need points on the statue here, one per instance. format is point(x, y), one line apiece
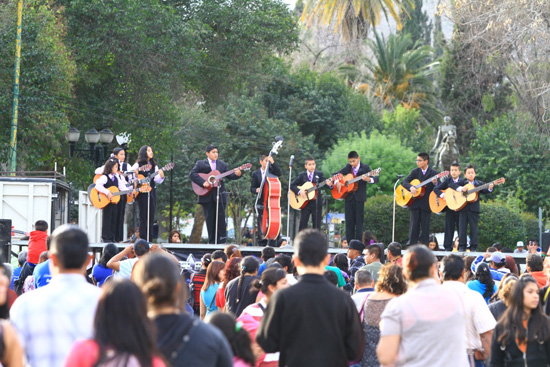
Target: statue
point(445, 150)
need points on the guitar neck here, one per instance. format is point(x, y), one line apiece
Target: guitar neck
point(479, 188)
point(424, 183)
point(225, 174)
point(358, 178)
point(122, 192)
point(321, 184)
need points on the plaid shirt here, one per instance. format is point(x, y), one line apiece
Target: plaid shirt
point(49, 319)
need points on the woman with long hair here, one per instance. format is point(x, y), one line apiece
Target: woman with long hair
point(391, 283)
point(174, 237)
point(522, 335)
point(414, 318)
point(232, 251)
point(214, 276)
point(147, 202)
point(100, 272)
point(232, 271)
point(11, 352)
point(432, 243)
point(120, 155)
point(123, 335)
point(110, 178)
point(182, 339)
point(237, 337)
point(502, 302)
point(272, 279)
point(368, 238)
point(483, 283)
point(237, 292)
point(341, 262)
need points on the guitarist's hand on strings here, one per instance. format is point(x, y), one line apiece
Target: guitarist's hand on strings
point(339, 186)
point(302, 194)
point(368, 179)
point(161, 173)
point(413, 190)
point(329, 183)
point(434, 181)
point(110, 195)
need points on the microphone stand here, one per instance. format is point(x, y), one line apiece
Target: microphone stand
point(217, 212)
point(399, 177)
point(319, 198)
point(288, 201)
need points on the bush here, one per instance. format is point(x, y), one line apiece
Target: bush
point(531, 223)
point(497, 223)
point(378, 219)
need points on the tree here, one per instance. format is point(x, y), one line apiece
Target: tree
point(399, 73)
point(46, 70)
point(515, 36)
point(510, 147)
point(409, 127)
point(353, 18)
point(416, 23)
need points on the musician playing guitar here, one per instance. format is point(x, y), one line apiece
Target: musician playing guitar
point(469, 215)
point(147, 203)
point(119, 154)
point(110, 177)
point(255, 183)
point(420, 213)
point(355, 202)
point(314, 208)
point(208, 202)
point(451, 216)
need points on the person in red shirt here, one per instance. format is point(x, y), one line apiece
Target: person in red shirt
point(37, 241)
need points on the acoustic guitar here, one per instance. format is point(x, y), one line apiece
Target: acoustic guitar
point(437, 204)
point(100, 200)
point(214, 177)
point(350, 184)
point(297, 202)
point(405, 198)
point(457, 200)
point(143, 183)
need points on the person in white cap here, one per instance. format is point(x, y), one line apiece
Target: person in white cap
point(520, 248)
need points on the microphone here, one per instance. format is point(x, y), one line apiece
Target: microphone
point(291, 160)
point(316, 178)
point(400, 176)
point(278, 138)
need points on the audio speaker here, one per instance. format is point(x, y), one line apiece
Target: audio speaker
point(5, 240)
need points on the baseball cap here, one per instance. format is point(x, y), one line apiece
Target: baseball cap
point(498, 258)
point(520, 244)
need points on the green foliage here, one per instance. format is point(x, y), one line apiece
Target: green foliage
point(45, 67)
point(407, 125)
point(497, 223)
point(531, 223)
point(470, 88)
point(399, 74)
point(416, 23)
point(511, 148)
point(322, 105)
point(385, 151)
point(237, 37)
point(378, 219)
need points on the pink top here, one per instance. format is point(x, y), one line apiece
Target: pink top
point(85, 353)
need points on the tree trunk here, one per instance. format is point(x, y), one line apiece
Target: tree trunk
point(196, 232)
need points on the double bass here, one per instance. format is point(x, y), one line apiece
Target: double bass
point(269, 199)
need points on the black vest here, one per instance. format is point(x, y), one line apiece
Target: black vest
point(111, 182)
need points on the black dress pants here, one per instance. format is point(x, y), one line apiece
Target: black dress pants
point(419, 229)
point(147, 204)
point(108, 228)
point(355, 213)
point(209, 210)
point(121, 211)
point(451, 223)
point(470, 218)
point(314, 209)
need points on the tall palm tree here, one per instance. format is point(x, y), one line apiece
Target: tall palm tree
point(399, 73)
point(353, 18)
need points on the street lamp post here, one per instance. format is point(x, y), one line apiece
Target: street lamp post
point(98, 141)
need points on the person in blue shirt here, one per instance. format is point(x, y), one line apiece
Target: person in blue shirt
point(267, 253)
point(100, 272)
point(42, 274)
point(21, 260)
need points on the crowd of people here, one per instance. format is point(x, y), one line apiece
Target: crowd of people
point(372, 306)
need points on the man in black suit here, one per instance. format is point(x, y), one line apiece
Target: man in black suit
point(470, 213)
point(312, 323)
point(208, 202)
point(355, 202)
point(255, 183)
point(451, 217)
point(420, 212)
point(313, 208)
